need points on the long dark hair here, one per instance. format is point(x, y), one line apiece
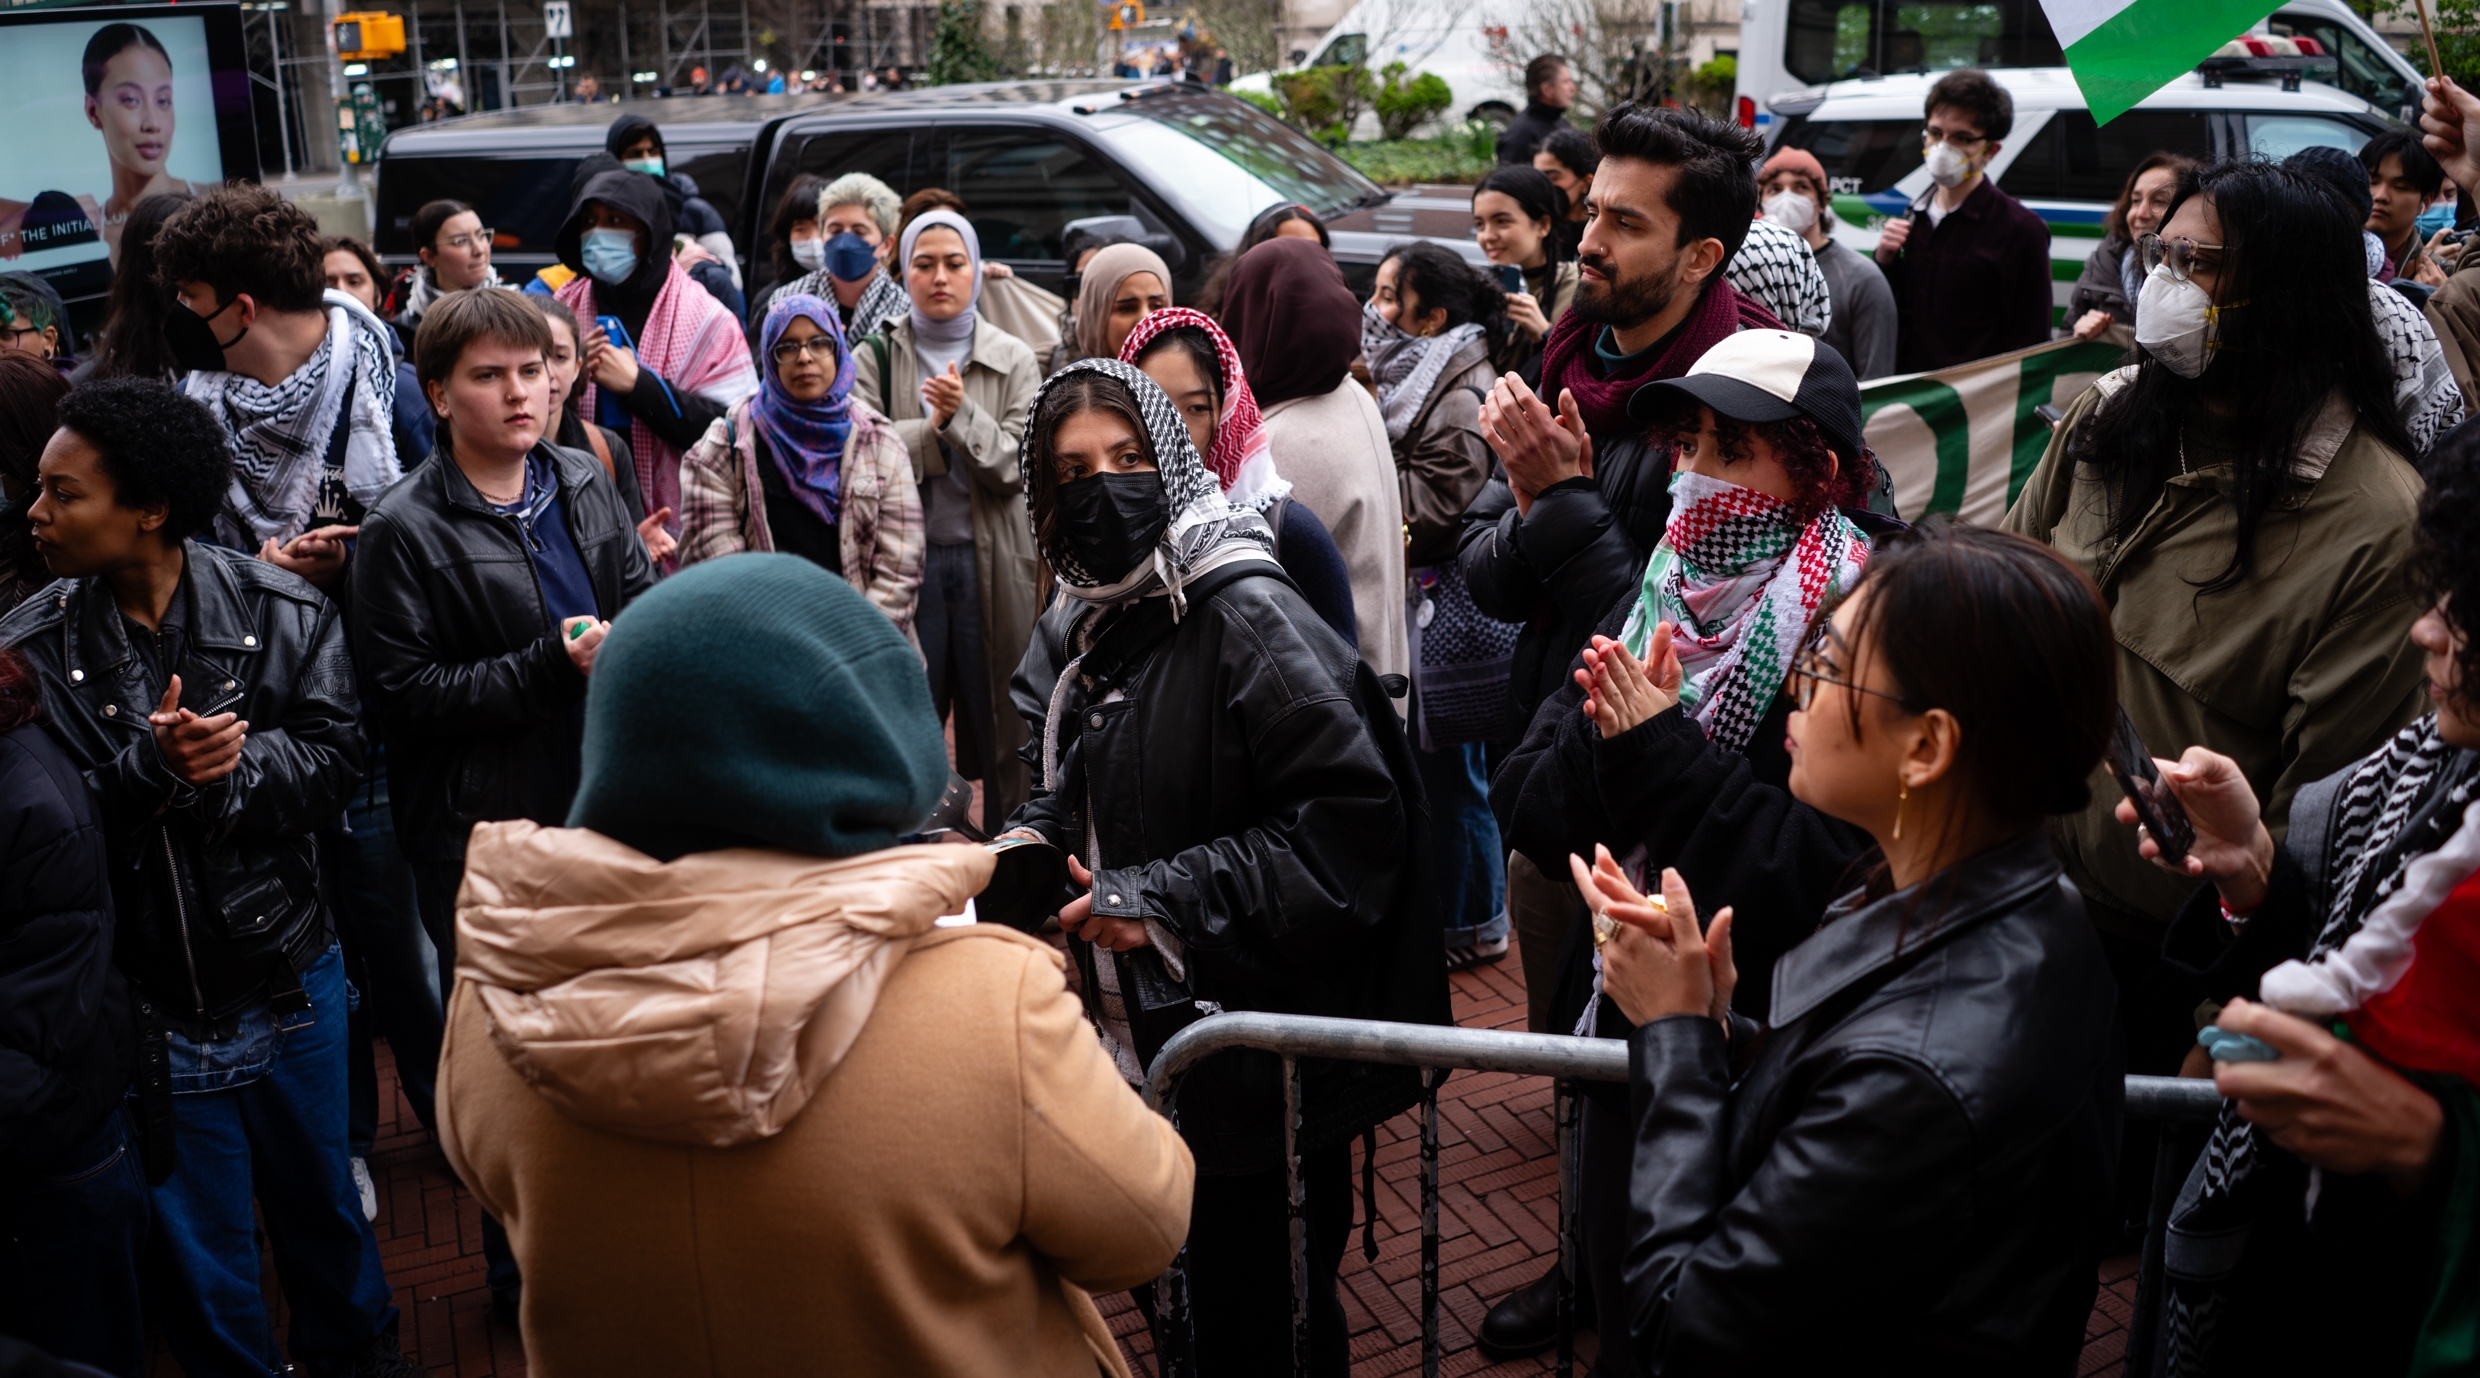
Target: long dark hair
point(1535, 195)
point(1088, 390)
point(2296, 326)
point(1438, 277)
point(800, 203)
point(133, 344)
point(30, 393)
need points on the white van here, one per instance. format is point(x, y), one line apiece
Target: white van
point(2056, 161)
point(1790, 47)
point(1461, 41)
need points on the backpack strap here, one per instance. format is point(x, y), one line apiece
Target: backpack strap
point(877, 341)
point(602, 450)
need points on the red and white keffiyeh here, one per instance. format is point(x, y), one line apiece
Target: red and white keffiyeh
point(1239, 459)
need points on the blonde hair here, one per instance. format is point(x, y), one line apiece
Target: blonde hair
point(869, 193)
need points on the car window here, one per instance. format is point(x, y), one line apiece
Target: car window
point(2094, 161)
point(1024, 186)
point(523, 200)
point(2033, 176)
point(1860, 156)
point(1267, 149)
point(1346, 50)
point(2279, 136)
point(719, 176)
point(2362, 71)
point(1828, 40)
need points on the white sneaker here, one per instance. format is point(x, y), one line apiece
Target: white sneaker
point(369, 1189)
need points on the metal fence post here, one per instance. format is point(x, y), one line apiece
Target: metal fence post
point(1295, 1204)
point(1431, 1079)
point(2144, 1327)
point(1567, 1107)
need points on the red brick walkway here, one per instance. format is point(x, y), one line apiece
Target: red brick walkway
point(1498, 1210)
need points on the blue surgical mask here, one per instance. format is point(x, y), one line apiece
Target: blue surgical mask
point(610, 255)
point(850, 257)
point(2435, 218)
point(652, 167)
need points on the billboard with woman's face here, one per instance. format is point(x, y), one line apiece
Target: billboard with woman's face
point(104, 108)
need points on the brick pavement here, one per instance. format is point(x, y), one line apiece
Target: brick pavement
point(1498, 1210)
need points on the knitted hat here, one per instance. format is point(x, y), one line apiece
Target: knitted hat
point(1798, 160)
point(2338, 169)
point(757, 701)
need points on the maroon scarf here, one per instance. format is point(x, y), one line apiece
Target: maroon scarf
point(1567, 359)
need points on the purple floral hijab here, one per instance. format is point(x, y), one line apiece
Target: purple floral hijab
point(806, 439)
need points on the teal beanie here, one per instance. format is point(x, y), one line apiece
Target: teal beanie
point(757, 701)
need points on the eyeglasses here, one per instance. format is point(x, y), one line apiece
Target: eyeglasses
point(14, 333)
point(469, 240)
point(1931, 138)
point(2179, 254)
point(816, 346)
point(1808, 670)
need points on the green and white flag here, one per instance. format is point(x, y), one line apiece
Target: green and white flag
point(1965, 439)
point(2124, 50)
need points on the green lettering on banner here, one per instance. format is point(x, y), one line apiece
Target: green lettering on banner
point(1940, 408)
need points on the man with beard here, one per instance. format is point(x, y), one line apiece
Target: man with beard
point(1561, 532)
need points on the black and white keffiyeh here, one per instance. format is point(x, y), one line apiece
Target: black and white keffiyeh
point(2426, 396)
point(1777, 267)
point(1406, 366)
point(1205, 531)
point(2399, 804)
point(280, 434)
point(882, 301)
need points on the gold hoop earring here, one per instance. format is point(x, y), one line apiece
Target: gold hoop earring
point(1902, 792)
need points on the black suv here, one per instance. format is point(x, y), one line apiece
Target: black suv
point(1192, 164)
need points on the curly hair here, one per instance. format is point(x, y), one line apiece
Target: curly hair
point(21, 694)
point(245, 238)
point(2445, 550)
point(160, 447)
point(1818, 480)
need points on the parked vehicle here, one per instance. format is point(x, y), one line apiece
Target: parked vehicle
point(2057, 162)
point(1462, 42)
point(1194, 166)
point(1790, 48)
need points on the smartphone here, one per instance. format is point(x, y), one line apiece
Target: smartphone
point(2156, 807)
point(607, 409)
point(1510, 278)
point(2050, 416)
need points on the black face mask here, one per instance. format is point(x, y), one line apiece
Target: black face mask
point(193, 342)
point(1110, 521)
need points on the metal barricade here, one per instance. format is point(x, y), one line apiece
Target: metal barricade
point(1437, 1050)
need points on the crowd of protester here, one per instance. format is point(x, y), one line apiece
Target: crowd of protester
point(570, 683)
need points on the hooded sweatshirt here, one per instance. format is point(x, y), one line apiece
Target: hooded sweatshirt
point(692, 214)
point(745, 1109)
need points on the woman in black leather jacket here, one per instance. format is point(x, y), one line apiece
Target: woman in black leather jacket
point(1238, 789)
point(1912, 1153)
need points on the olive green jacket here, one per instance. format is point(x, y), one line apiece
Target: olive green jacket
point(1000, 378)
point(2301, 668)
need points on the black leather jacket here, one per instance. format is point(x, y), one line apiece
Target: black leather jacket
point(216, 889)
point(474, 694)
point(1917, 1157)
point(1253, 794)
point(1558, 569)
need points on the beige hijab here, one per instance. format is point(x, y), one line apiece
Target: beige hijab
point(1100, 287)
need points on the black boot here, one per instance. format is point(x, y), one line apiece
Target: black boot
point(1526, 1321)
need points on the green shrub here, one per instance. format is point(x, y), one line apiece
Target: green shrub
point(1266, 101)
point(1403, 104)
point(1453, 157)
point(1317, 98)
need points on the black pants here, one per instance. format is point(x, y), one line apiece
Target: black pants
point(1606, 1143)
point(1240, 1269)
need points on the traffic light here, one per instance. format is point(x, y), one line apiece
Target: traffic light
point(362, 36)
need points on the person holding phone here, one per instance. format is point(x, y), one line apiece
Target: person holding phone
point(1515, 212)
point(208, 699)
point(481, 590)
point(2365, 909)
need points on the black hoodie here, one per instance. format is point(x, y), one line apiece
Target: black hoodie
point(675, 414)
point(692, 214)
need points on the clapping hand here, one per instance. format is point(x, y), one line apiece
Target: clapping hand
point(1621, 691)
point(1656, 961)
point(1538, 447)
point(945, 393)
point(2232, 847)
point(199, 750)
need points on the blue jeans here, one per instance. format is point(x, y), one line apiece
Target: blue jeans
point(71, 1233)
point(1471, 861)
point(391, 957)
point(263, 1114)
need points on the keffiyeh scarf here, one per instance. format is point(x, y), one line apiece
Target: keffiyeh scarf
point(805, 439)
point(1406, 366)
point(1776, 266)
point(1739, 581)
point(1204, 533)
point(1240, 457)
point(882, 301)
point(281, 433)
point(2399, 805)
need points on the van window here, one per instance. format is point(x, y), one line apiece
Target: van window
point(1860, 156)
point(2364, 72)
point(522, 197)
point(2094, 162)
point(1828, 40)
point(2033, 176)
point(1346, 50)
point(2279, 136)
point(1024, 186)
